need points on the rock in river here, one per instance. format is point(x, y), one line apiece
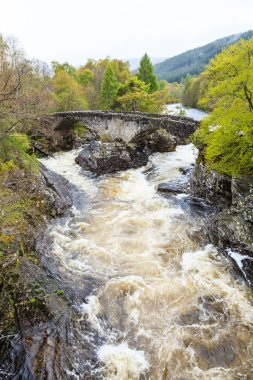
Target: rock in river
point(110, 157)
point(161, 141)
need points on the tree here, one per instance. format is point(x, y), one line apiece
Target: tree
point(24, 91)
point(67, 92)
point(135, 96)
point(109, 88)
point(146, 73)
point(227, 133)
point(56, 66)
point(193, 90)
point(85, 76)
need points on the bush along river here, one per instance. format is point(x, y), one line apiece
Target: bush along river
point(145, 295)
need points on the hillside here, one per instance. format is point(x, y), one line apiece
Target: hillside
point(193, 61)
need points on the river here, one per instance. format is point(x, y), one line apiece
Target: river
point(175, 108)
point(161, 305)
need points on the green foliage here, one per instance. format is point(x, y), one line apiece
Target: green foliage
point(146, 73)
point(33, 301)
point(85, 76)
point(193, 61)
point(24, 90)
point(175, 91)
point(68, 93)
point(66, 67)
point(134, 96)
point(60, 292)
point(227, 133)
point(193, 90)
point(109, 89)
point(14, 151)
point(80, 129)
point(108, 84)
point(92, 89)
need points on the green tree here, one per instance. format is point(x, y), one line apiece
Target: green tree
point(56, 66)
point(146, 73)
point(227, 133)
point(85, 76)
point(68, 93)
point(134, 96)
point(24, 91)
point(109, 88)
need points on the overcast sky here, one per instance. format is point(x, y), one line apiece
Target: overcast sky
point(75, 30)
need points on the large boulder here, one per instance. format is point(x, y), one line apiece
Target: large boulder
point(161, 141)
point(57, 192)
point(214, 187)
point(179, 186)
point(110, 157)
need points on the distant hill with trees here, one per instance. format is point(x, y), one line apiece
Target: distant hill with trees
point(193, 61)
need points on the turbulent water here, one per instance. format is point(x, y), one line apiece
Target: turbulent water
point(162, 306)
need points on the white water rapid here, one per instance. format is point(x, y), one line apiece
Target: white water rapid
point(166, 308)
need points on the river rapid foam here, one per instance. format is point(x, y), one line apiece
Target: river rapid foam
point(165, 307)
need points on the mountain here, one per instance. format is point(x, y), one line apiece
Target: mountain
point(193, 61)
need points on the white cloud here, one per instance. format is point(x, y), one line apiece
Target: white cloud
point(75, 30)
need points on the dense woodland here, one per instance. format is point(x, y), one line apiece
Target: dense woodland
point(193, 61)
point(108, 84)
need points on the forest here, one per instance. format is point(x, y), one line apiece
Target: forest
point(192, 62)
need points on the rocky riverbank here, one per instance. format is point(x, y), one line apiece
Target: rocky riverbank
point(32, 300)
point(231, 228)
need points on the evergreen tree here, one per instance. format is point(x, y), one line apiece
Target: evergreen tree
point(109, 88)
point(146, 73)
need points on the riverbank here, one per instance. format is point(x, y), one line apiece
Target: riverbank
point(27, 291)
point(231, 227)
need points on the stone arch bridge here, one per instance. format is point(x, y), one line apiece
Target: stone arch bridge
point(129, 127)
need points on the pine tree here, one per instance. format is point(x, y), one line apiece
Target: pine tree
point(146, 73)
point(109, 88)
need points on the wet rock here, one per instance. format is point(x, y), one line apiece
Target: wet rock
point(242, 197)
point(248, 270)
point(13, 358)
point(232, 226)
point(186, 171)
point(103, 158)
point(215, 188)
point(197, 207)
point(161, 141)
point(57, 192)
point(234, 231)
point(51, 328)
point(220, 354)
point(174, 187)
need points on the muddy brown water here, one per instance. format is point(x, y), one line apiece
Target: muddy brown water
point(164, 307)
